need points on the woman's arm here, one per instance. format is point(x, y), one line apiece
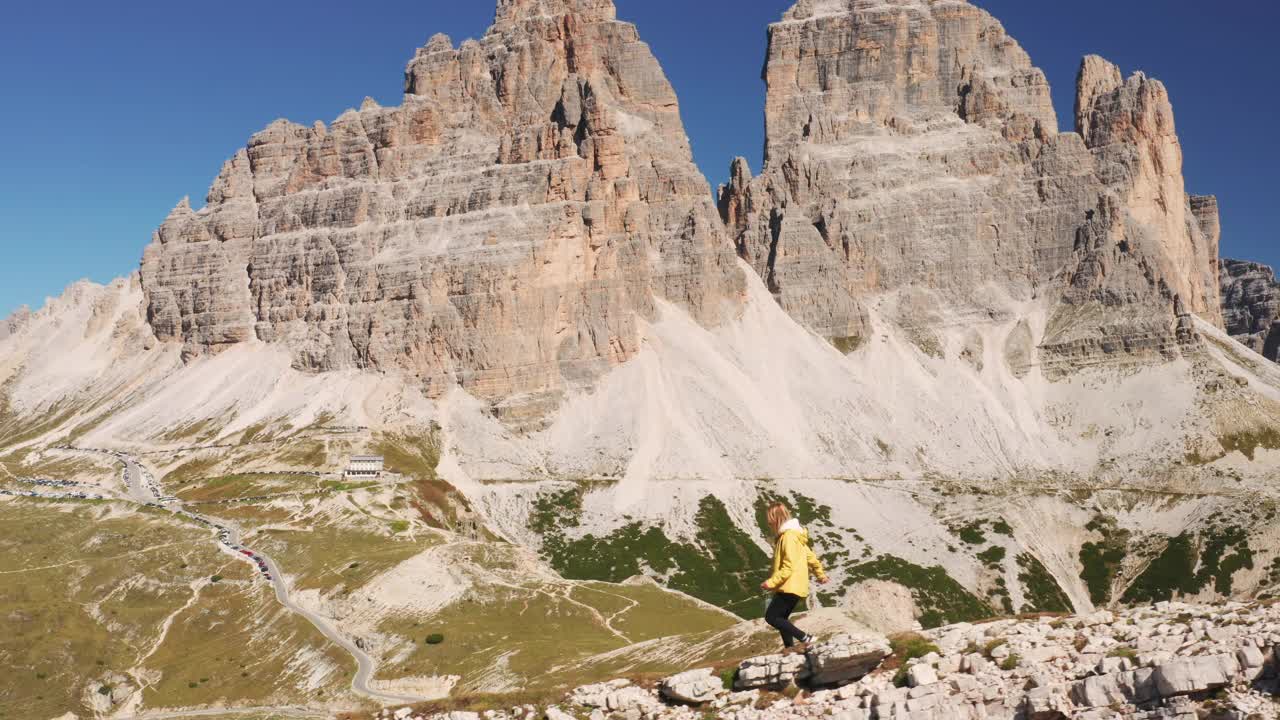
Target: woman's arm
point(815, 565)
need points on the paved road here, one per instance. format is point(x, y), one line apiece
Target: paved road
point(143, 489)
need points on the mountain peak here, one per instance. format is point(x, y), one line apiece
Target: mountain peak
point(513, 11)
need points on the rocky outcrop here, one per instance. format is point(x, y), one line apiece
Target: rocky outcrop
point(845, 658)
point(693, 687)
point(1167, 662)
point(1251, 305)
point(1129, 127)
point(914, 162)
point(505, 229)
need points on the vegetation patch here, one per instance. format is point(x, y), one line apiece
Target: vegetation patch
point(941, 600)
point(1102, 560)
point(417, 457)
point(993, 556)
point(907, 647)
point(972, 534)
point(848, 345)
point(1248, 442)
point(722, 566)
point(1173, 571)
point(1219, 566)
point(1041, 590)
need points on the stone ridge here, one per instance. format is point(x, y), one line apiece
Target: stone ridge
point(505, 229)
point(1251, 306)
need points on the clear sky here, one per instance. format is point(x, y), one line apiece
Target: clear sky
point(113, 111)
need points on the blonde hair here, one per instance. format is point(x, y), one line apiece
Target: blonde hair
point(777, 515)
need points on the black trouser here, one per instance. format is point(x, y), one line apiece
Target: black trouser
point(780, 608)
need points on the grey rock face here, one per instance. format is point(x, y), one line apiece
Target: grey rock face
point(771, 671)
point(913, 151)
point(1196, 674)
point(845, 658)
point(1129, 127)
point(894, 160)
point(504, 229)
point(1251, 305)
point(694, 687)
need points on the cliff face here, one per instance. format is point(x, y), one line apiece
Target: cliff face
point(914, 160)
point(15, 322)
point(1251, 306)
point(1128, 125)
point(505, 229)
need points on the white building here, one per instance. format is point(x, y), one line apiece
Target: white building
point(364, 467)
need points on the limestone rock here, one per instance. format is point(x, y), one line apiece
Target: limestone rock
point(913, 160)
point(844, 658)
point(1129, 128)
point(694, 687)
point(1251, 306)
point(1184, 676)
point(505, 229)
point(771, 671)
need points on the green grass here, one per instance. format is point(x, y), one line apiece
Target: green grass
point(1102, 560)
point(239, 629)
point(1041, 590)
point(722, 565)
point(907, 647)
point(232, 487)
point(1218, 566)
point(189, 471)
point(530, 630)
point(86, 590)
point(1190, 563)
point(972, 534)
point(417, 456)
point(337, 559)
point(1127, 653)
point(1248, 441)
point(993, 556)
point(941, 600)
point(848, 345)
point(1173, 571)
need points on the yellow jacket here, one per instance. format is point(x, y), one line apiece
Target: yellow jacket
point(792, 561)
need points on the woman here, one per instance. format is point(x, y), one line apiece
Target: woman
point(792, 561)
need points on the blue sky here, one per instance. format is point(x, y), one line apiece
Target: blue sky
point(114, 111)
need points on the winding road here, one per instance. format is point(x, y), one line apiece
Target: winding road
point(143, 489)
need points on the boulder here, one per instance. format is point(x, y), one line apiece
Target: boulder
point(771, 671)
point(845, 658)
point(1048, 703)
point(921, 674)
point(1136, 686)
point(693, 687)
point(1183, 676)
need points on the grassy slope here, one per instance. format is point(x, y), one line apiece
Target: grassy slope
point(87, 592)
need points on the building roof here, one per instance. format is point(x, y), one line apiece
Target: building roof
point(366, 458)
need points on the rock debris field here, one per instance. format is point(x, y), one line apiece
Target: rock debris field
point(1171, 661)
